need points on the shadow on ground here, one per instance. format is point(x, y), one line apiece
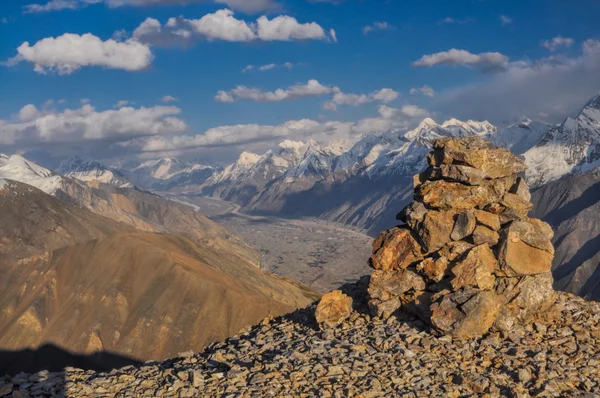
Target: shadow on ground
point(54, 359)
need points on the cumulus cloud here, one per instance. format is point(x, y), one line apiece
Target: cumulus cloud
point(87, 124)
point(311, 89)
point(169, 98)
point(247, 6)
point(260, 137)
point(555, 86)
point(489, 62)
point(425, 90)
point(70, 52)
point(222, 25)
point(384, 95)
point(377, 26)
point(557, 42)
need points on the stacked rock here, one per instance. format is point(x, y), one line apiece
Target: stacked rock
point(468, 258)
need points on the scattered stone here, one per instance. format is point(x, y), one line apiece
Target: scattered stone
point(333, 309)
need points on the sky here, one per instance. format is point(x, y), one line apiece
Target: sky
point(207, 79)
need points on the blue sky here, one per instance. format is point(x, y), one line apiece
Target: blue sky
point(501, 70)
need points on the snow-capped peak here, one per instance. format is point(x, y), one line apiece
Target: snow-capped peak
point(248, 158)
point(20, 169)
point(570, 147)
point(92, 170)
point(289, 144)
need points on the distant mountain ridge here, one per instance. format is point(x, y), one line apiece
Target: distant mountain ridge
point(571, 147)
point(90, 170)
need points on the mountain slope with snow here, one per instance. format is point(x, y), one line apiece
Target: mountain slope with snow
point(85, 170)
point(571, 147)
point(20, 169)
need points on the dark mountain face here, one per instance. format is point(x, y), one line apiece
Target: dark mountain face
point(572, 206)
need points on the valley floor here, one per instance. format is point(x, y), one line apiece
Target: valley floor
point(320, 254)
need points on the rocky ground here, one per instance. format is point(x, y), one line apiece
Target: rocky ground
point(365, 356)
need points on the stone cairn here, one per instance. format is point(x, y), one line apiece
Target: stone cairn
point(467, 259)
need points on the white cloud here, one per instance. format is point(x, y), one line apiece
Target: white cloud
point(168, 98)
point(120, 104)
point(222, 25)
point(83, 124)
point(384, 95)
point(84, 101)
point(377, 26)
point(247, 6)
point(450, 20)
point(557, 42)
point(556, 86)
point(333, 35)
point(425, 90)
point(28, 112)
point(504, 20)
point(257, 137)
point(70, 52)
point(311, 89)
point(267, 67)
point(489, 62)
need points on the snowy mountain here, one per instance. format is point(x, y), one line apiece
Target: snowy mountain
point(571, 147)
point(20, 169)
point(521, 136)
point(169, 173)
point(92, 170)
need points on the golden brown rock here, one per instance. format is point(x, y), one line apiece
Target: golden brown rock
point(521, 188)
point(433, 269)
point(453, 250)
point(434, 232)
point(483, 235)
point(445, 195)
point(466, 313)
point(385, 285)
point(528, 299)
point(517, 203)
point(480, 154)
point(490, 220)
point(525, 249)
point(475, 269)
point(333, 309)
point(396, 248)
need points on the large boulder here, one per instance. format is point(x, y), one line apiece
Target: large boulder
point(333, 309)
point(525, 248)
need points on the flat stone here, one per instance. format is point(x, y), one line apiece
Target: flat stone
point(464, 225)
point(412, 214)
point(396, 248)
point(445, 195)
point(453, 250)
point(483, 235)
point(477, 153)
point(485, 218)
point(333, 309)
point(525, 249)
point(517, 203)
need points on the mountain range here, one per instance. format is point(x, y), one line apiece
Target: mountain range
point(97, 268)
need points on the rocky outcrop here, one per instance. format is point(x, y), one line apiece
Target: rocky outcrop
point(467, 259)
